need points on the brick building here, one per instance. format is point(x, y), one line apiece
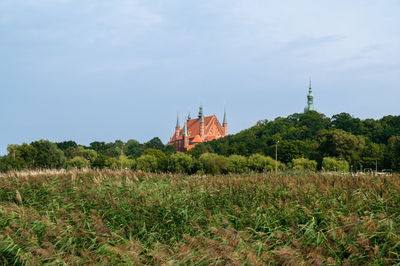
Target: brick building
point(198, 130)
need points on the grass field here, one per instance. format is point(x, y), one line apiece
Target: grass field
point(139, 218)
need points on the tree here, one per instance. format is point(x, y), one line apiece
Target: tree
point(347, 123)
point(48, 155)
point(147, 163)
point(99, 147)
point(333, 164)
point(101, 162)
point(341, 144)
point(394, 152)
point(65, 145)
point(154, 143)
point(133, 148)
point(180, 163)
point(302, 164)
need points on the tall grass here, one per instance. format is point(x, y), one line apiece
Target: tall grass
point(78, 217)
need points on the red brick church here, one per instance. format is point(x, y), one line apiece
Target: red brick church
point(198, 130)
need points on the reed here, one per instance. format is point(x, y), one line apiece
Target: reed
point(113, 217)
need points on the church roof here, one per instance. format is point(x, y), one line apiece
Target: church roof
point(193, 125)
point(197, 139)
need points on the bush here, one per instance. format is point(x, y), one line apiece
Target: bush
point(303, 164)
point(260, 163)
point(77, 162)
point(237, 164)
point(333, 164)
point(211, 163)
point(127, 162)
point(147, 163)
point(180, 163)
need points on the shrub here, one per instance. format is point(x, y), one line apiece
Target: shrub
point(77, 162)
point(147, 163)
point(237, 164)
point(211, 163)
point(180, 163)
point(333, 164)
point(261, 163)
point(303, 164)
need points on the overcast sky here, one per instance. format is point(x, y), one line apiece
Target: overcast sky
point(88, 70)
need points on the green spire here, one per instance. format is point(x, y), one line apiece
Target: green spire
point(201, 116)
point(189, 117)
point(177, 121)
point(225, 120)
point(310, 100)
point(186, 132)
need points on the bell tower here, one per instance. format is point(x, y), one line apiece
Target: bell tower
point(310, 100)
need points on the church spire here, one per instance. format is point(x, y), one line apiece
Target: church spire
point(310, 100)
point(225, 123)
point(186, 131)
point(201, 116)
point(177, 121)
point(225, 120)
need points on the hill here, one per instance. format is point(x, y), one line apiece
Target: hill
point(362, 143)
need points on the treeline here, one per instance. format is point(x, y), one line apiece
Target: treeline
point(68, 154)
point(152, 156)
point(308, 141)
point(367, 143)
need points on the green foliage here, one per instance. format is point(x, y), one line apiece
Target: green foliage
point(180, 163)
point(102, 162)
point(394, 152)
point(147, 163)
point(48, 155)
point(156, 153)
point(260, 163)
point(133, 148)
point(122, 217)
point(127, 163)
point(77, 162)
point(303, 164)
point(237, 164)
point(333, 164)
point(313, 136)
point(339, 143)
point(154, 143)
point(211, 163)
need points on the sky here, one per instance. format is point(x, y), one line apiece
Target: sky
point(101, 70)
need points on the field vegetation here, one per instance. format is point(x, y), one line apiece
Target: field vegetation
point(112, 217)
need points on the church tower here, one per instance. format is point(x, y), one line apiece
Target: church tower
point(225, 124)
point(310, 101)
point(201, 117)
point(177, 127)
point(185, 137)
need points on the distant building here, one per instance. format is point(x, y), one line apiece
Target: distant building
point(310, 101)
point(198, 130)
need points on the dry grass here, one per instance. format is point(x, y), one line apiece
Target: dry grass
point(111, 217)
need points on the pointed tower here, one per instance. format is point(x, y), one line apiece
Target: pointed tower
point(201, 117)
point(310, 101)
point(186, 137)
point(177, 127)
point(225, 124)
